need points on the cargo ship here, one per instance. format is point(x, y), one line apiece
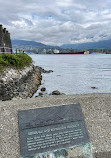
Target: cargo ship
point(71, 52)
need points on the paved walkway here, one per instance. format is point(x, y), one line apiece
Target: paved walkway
point(97, 113)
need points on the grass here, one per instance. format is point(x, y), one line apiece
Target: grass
point(17, 61)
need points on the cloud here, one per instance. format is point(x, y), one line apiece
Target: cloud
point(57, 22)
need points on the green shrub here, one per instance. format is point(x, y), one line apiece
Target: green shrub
point(16, 60)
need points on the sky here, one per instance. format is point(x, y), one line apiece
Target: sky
point(57, 22)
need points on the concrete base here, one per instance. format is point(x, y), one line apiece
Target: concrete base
point(97, 113)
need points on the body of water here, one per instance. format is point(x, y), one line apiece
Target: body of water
point(76, 74)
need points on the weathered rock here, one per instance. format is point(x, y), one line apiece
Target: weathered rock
point(94, 87)
point(44, 71)
point(48, 71)
point(43, 89)
point(40, 94)
point(21, 89)
point(56, 92)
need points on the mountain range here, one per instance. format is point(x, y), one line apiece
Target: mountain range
point(29, 44)
point(105, 44)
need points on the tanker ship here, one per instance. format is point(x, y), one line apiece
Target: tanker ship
point(71, 52)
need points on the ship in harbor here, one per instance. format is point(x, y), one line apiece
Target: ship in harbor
point(70, 52)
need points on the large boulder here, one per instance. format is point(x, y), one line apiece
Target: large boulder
point(43, 89)
point(43, 70)
point(56, 92)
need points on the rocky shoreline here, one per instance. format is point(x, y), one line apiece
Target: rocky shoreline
point(42, 91)
point(19, 83)
point(23, 83)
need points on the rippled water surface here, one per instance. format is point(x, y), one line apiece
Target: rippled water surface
point(76, 74)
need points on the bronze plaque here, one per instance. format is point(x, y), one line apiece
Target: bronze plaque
point(51, 128)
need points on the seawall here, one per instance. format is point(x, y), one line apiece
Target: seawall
point(19, 83)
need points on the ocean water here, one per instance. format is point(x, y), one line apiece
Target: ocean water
point(76, 74)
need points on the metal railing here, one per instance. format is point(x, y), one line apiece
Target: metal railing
point(5, 50)
point(11, 50)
